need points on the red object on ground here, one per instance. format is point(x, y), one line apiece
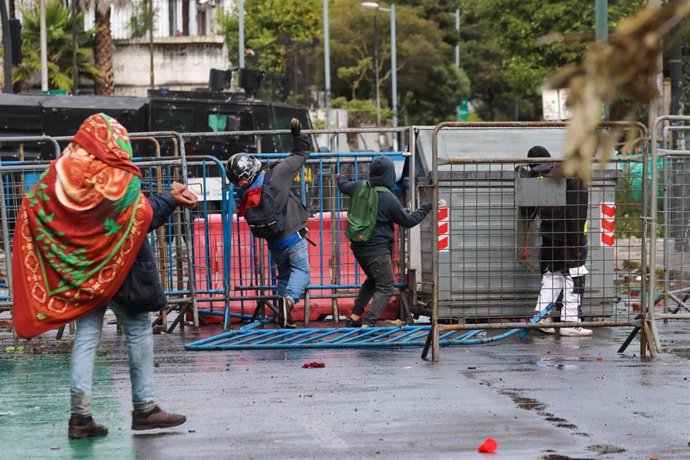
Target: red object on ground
point(489, 446)
point(313, 364)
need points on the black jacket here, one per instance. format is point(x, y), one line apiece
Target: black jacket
point(562, 224)
point(279, 185)
point(382, 172)
point(163, 205)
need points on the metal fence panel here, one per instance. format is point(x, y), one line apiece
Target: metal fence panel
point(335, 276)
point(480, 258)
point(669, 216)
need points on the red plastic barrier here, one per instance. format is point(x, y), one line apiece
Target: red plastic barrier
point(331, 262)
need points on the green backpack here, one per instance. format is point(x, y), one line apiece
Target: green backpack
point(361, 217)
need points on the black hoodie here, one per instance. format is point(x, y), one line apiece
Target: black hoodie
point(382, 173)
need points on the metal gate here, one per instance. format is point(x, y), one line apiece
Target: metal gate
point(170, 243)
point(480, 259)
point(248, 271)
point(669, 215)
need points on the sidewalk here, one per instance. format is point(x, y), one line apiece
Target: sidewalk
point(545, 397)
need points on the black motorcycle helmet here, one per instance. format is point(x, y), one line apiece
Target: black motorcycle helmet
point(243, 169)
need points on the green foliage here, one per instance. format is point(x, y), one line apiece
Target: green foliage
point(362, 112)
point(59, 34)
point(509, 56)
point(141, 18)
point(270, 27)
point(429, 86)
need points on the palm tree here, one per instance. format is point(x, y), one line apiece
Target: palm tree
point(60, 47)
point(104, 42)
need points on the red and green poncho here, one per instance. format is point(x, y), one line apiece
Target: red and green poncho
point(79, 229)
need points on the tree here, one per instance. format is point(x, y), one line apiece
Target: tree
point(270, 26)
point(429, 85)
point(59, 38)
point(509, 56)
point(104, 48)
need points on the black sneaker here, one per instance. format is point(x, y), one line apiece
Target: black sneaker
point(81, 426)
point(353, 322)
point(284, 316)
point(368, 323)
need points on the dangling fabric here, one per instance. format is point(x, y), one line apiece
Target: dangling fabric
point(252, 196)
point(79, 229)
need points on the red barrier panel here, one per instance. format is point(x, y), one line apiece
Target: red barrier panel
point(331, 262)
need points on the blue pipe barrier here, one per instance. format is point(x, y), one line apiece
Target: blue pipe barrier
point(250, 337)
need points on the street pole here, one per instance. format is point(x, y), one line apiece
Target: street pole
point(602, 22)
point(7, 47)
point(394, 70)
point(602, 31)
point(656, 106)
point(151, 68)
point(327, 63)
point(376, 73)
point(44, 45)
point(457, 45)
point(241, 33)
point(75, 57)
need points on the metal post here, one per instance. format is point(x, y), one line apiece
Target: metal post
point(457, 45)
point(602, 21)
point(327, 63)
point(7, 47)
point(602, 31)
point(75, 45)
point(152, 80)
point(394, 72)
point(376, 73)
point(241, 33)
point(44, 45)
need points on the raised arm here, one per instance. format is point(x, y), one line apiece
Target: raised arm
point(285, 170)
point(346, 186)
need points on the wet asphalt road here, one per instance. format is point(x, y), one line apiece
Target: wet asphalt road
point(542, 398)
point(545, 397)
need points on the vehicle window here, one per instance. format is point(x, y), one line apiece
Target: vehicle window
point(179, 120)
point(223, 122)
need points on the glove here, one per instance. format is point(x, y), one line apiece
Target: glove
point(295, 127)
point(426, 207)
point(300, 142)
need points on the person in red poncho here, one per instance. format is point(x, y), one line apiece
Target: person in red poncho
point(79, 231)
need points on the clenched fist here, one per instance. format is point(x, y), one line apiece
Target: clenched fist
point(182, 195)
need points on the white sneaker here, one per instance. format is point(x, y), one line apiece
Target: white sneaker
point(575, 332)
point(546, 330)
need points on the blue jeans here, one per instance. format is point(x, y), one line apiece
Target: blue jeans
point(139, 345)
point(293, 270)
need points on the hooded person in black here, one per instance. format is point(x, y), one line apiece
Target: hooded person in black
point(375, 255)
point(563, 250)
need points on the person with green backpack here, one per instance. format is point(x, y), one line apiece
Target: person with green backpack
point(373, 212)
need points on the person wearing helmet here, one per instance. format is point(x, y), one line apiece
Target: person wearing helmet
point(274, 213)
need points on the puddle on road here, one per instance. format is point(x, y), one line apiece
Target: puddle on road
point(539, 407)
point(606, 449)
point(562, 457)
